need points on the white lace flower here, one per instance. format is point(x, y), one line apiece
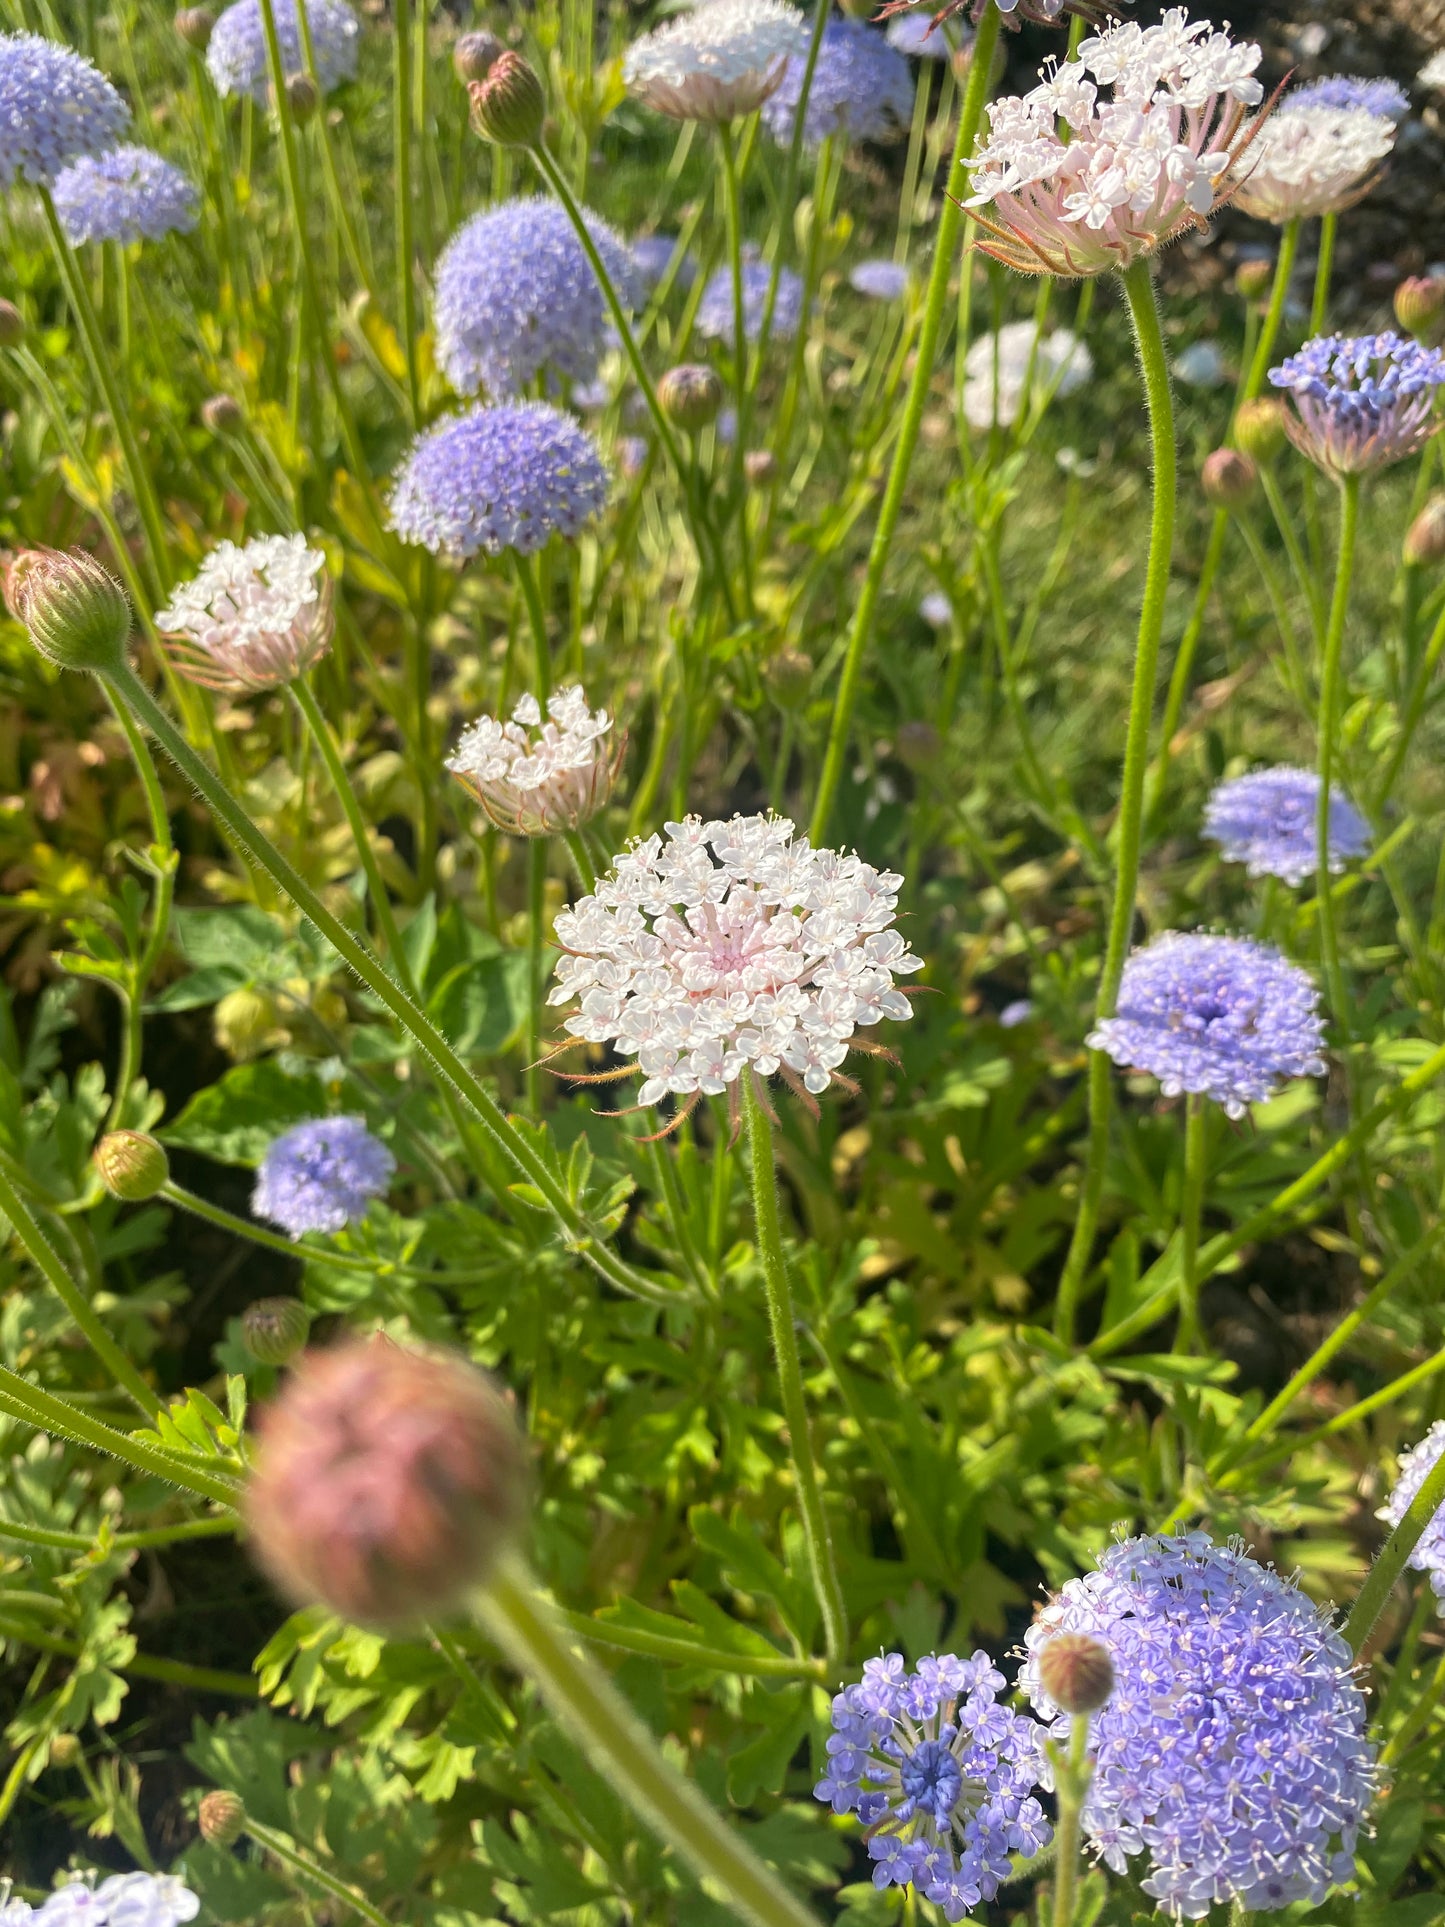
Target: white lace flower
point(1312, 160)
point(717, 63)
point(253, 618)
point(536, 776)
point(1432, 74)
point(997, 369)
point(730, 947)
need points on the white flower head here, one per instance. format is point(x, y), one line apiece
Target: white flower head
point(1432, 74)
point(717, 63)
point(728, 948)
point(540, 774)
point(999, 367)
point(1312, 160)
point(254, 617)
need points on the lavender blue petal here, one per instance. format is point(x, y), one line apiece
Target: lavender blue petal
point(236, 56)
point(54, 107)
point(1266, 821)
point(862, 89)
point(321, 1175)
point(129, 194)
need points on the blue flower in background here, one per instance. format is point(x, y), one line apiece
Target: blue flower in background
point(54, 107)
point(1266, 821)
point(1361, 402)
point(1416, 1465)
point(880, 280)
point(653, 253)
point(236, 56)
point(862, 89)
point(1379, 97)
point(129, 194)
point(715, 309)
point(121, 1900)
point(320, 1175)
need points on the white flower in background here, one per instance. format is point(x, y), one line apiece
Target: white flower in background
point(253, 618)
point(996, 369)
point(1201, 365)
point(537, 775)
point(914, 33)
point(1432, 74)
point(1311, 160)
point(718, 62)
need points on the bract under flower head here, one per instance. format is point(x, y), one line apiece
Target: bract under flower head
point(1361, 402)
point(536, 776)
point(1000, 368)
point(55, 106)
point(1416, 1465)
point(236, 56)
point(1382, 97)
point(862, 89)
point(715, 309)
point(1232, 1750)
point(253, 618)
point(717, 62)
point(1137, 169)
point(941, 1776)
point(129, 194)
point(1266, 820)
point(1311, 158)
point(516, 297)
point(730, 947)
point(1219, 1017)
point(320, 1175)
point(498, 478)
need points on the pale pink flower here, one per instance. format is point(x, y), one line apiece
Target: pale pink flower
point(1312, 160)
point(254, 617)
point(718, 62)
point(537, 775)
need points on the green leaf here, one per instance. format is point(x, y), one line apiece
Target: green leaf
point(243, 938)
point(236, 1118)
point(479, 1005)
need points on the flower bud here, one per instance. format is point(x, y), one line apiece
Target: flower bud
point(1076, 1672)
point(131, 1165)
point(74, 608)
point(1229, 478)
point(195, 25)
point(273, 1330)
point(691, 395)
point(387, 1483)
point(1259, 428)
point(221, 1818)
point(303, 97)
point(221, 413)
point(1420, 307)
point(918, 744)
point(475, 54)
point(1425, 538)
point(242, 1021)
point(12, 325)
point(1251, 278)
point(789, 677)
point(760, 465)
point(508, 105)
point(64, 1751)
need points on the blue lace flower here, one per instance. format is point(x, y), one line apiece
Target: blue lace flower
point(715, 309)
point(129, 194)
point(940, 1775)
point(862, 89)
point(1232, 1750)
point(880, 280)
point(1379, 97)
point(1222, 1017)
point(498, 478)
point(121, 1900)
point(1266, 821)
point(54, 107)
point(516, 297)
point(653, 253)
point(1415, 1467)
point(236, 56)
point(1361, 402)
point(320, 1175)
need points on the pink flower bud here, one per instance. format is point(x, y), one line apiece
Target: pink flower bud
point(1229, 478)
point(508, 105)
point(221, 1818)
point(1076, 1672)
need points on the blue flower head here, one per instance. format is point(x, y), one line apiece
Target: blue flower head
point(1379, 97)
point(54, 107)
point(516, 297)
point(653, 253)
point(1232, 1749)
point(129, 194)
point(1266, 821)
point(941, 1776)
point(862, 89)
point(498, 478)
point(236, 55)
point(320, 1175)
point(880, 280)
point(715, 309)
point(1219, 1017)
point(1415, 1467)
point(1361, 402)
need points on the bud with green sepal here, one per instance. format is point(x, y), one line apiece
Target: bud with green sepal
point(195, 26)
point(74, 608)
point(12, 325)
point(1259, 428)
point(475, 54)
point(1420, 307)
point(691, 395)
point(508, 106)
point(131, 1165)
point(221, 1818)
point(1424, 546)
point(274, 1330)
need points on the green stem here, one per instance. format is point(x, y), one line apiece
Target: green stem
point(120, 1541)
point(402, 149)
point(620, 1747)
point(1274, 313)
point(302, 1253)
point(1319, 306)
point(577, 849)
point(1425, 1708)
point(284, 1848)
point(1073, 1786)
point(686, 1652)
point(19, 1772)
point(171, 1672)
point(790, 1376)
point(1196, 1171)
point(1144, 312)
point(1414, 710)
point(536, 919)
point(732, 207)
point(1184, 657)
point(525, 569)
point(1392, 1557)
point(789, 198)
point(945, 249)
point(1329, 722)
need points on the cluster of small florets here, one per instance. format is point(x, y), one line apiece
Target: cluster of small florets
point(1311, 157)
point(1382, 97)
point(1134, 170)
point(717, 62)
point(1361, 402)
point(121, 1900)
point(236, 55)
point(320, 1175)
point(55, 106)
point(496, 479)
point(1416, 1465)
point(253, 618)
point(725, 947)
point(941, 1776)
point(537, 775)
point(1267, 821)
point(129, 194)
point(652, 256)
point(715, 314)
point(1218, 1017)
point(1232, 1749)
point(1003, 371)
point(862, 89)
point(880, 280)
point(516, 297)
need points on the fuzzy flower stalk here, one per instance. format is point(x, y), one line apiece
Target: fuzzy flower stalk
point(254, 618)
point(716, 63)
point(540, 774)
point(1361, 402)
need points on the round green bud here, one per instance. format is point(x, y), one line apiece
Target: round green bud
point(1424, 546)
point(1251, 278)
point(242, 1021)
point(273, 1330)
point(1229, 478)
point(475, 54)
point(12, 325)
point(221, 1818)
point(64, 1751)
point(195, 26)
point(789, 677)
point(72, 605)
point(1420, 307)
point(508, 106)
point(131, 1165)
point(303, 97)
point(691, 395)
point(1259, 428)
point(1076, 1672)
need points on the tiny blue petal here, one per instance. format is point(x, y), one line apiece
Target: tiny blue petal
point(321, 1175)
point(1266, 821)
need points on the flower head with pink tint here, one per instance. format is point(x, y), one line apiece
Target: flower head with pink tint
point(1137, 168)
point(254, 618)
point(536, 776)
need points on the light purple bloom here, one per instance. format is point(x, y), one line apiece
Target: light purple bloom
point(862, 89)
point(1016, 1013)
point(1266, 821)
point(1416, 1465)
point(55, 106)
point(320, 1175)
point(1379, 97)
point(129, 194)
point(1361, 402)
point(121, 1900)
point(715, 310)
point(236, 56)
point(653, 254)
point(915, 33)
point(881, 280)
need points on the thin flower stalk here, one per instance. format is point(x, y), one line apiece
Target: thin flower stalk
point(1392, 1558)
point(1329, 723)
point(402, 152)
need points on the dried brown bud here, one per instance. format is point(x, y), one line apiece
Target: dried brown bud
point(131, 1165)
point(760, 465)
point(273, 1330)
point(221, 413)
point(691, 395)
point(475, 54)
point(74, 608)
point(1251, 278)
point(1259, 428)
point(195, 25)
point(1076, 1672)
point(221, 1818)
point(386, 1484)
point(1420, 307)
point(12, 325)
point(303, 97)
point(1425, 539)
point(1229, 478)
point(508, 105)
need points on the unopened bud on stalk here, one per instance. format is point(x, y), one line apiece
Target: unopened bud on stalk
point(302, 96)
point(221, 1818)
point(12, 325)
point(789, 677)
point(242, 1021)
point(72, 605)
point(760, 465)
point(918, 744)
point(691, 395)
point(508, 106)
point(475, 54)
point(195, 25)
point(221, 413)
point(1420, 307)
point(131, 1165)
point(1251, 278)
point(1229, 478)
point(1259, 428)
point(1424, 545)
point(64, 1751)
point(274, 1330)
point(1076, 1672)
point(387, 1483)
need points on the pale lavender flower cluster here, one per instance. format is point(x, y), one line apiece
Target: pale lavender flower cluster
point(862, 89)
point(1232, 1750)
point(1380, 97)
point(941, 1776)
point(1266, 820)
point(55, 106)
point(536, 775)
point(1361, 402)
point(516, 297)
point(880, 280)
point(734, 946)
point(652, 255)
point(1416, 1465)
point(129, 194)
point(121, 1900)
point(321, 1175)
point(1219, 1017)
point(236, 56)
point(498, 478)
point(715, 309)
